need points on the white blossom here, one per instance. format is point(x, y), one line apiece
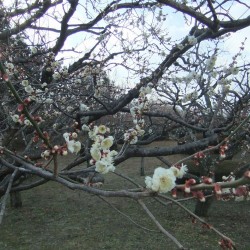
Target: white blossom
point(104, 166)
point(134, 140)
point(179, 172)
point(27, 122)
point(180, 46)
point(15, 118)
point(83, 107)
point(74, 135)
point(162, 181)
point(234, 70)
point(102, 129)
point(192, 40)
point(95, 153)
point(85, 127)
point(44, 85)
point(25, 83)
point(10, 66)
point(29, 89)
point(73, 146)
point(56, 76)
point(107, 142)
point(33, 50)
point(66, 136)
point(48, 101)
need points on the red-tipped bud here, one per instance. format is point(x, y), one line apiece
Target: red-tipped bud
point(46, 135)
point(187, 189)
point(21, 119)
point(207, 180)
point(241, 191)
point(226, 244)
point(64, 152)
point(188, 184)
point(174, 192)
point(191, 181)
point(199, 195)
point(35, 139)
point(199, 155)
point(217, 189)
point(27, 100)
point(247, 174)
point(5, 77)
point(222, 155)
point(20, 107)
point(92, 162)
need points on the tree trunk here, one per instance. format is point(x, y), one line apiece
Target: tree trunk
point(202, 208)
point(142, 167)
point(16, 200)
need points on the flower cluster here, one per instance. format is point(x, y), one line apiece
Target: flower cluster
point(27, 87)
point(136, 111)
point(36, 94)
point(59, 75)
point(22, 120)
point(102, 156)
point(10, 69)
point(238, 194)
point(60, 150)
point(210, 63)
point(72, 145)
point(198, 158)
point(163, 179)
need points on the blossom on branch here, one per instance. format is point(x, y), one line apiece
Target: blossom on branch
point(162, 181)
point(179, 171)
point(72, 145)
point(102, 156)
point(104, 166)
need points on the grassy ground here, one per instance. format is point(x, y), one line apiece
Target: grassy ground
point(53, 217)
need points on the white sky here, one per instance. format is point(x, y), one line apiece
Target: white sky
point(175, 25)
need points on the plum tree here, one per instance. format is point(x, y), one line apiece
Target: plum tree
point(80, 77)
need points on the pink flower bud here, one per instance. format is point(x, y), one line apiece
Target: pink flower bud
point(207, 180)
point(217, 189)
point(174, 192)
point(247, 174)
point(64, 152)
point(191, 181)
point(5, 77)
point(20, 107)
point(27, 100)
point(187, 189)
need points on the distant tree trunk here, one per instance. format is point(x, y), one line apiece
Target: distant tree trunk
point(16, 200)
point(202, 208)
point(142, 167)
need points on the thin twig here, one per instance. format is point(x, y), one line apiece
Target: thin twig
point(128, 217)
point(128, 179)
point(218, 145)
point(162, 229)
point(197, 217)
